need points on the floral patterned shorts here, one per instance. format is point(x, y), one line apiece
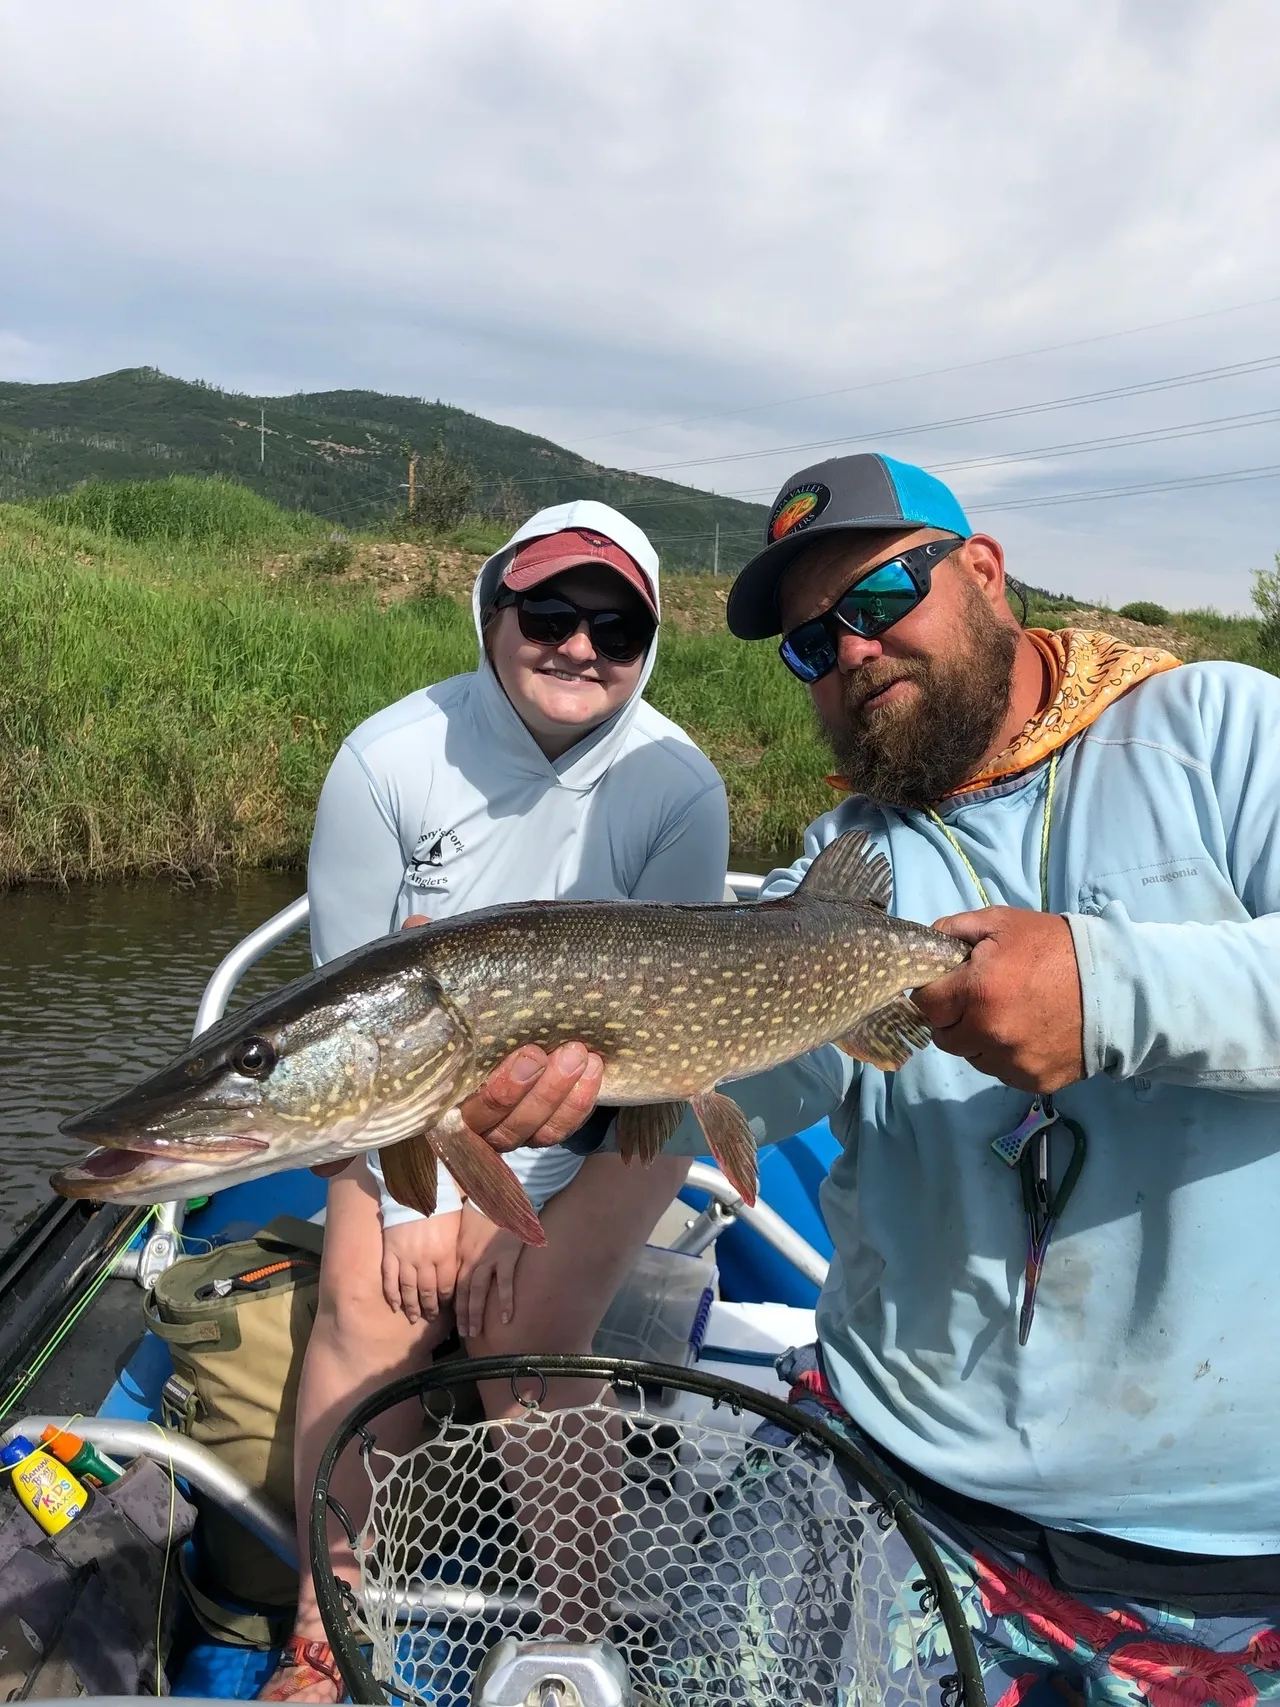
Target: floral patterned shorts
point(1035, 1643)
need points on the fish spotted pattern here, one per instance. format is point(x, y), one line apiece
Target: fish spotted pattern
point(379, 1049)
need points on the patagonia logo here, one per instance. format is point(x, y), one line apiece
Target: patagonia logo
point(796, 509)
point(431, 854)
point(1171, 876)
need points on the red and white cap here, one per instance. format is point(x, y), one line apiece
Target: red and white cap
point(575, 548)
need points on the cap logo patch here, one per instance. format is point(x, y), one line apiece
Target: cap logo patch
point(595, 539)
point(796, 509)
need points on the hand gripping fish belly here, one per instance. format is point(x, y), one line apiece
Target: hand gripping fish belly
point(377, 1050)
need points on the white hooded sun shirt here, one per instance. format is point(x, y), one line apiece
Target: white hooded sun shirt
point(444, 803)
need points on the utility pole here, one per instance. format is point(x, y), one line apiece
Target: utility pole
point(715, 561)
point(262, 436)
point(413, 482)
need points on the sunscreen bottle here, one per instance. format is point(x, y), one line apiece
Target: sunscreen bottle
point(47, 1488)
point(94, 1468)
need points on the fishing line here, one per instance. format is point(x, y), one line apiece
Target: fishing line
point(51, 1345)
point(168, 1549)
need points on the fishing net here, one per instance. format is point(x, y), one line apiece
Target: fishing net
point(709, 1567)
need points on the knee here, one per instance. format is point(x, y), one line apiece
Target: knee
point(355, 1314)
point(509, 1339)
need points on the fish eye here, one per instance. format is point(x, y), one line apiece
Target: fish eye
point(254, 1057)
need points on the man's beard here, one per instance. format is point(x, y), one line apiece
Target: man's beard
point(915, 749)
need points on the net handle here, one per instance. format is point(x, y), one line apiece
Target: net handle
point(359, 1677)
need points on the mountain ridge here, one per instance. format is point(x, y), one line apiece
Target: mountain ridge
point(338, 454)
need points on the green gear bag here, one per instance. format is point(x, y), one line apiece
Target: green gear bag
point(236, 1322)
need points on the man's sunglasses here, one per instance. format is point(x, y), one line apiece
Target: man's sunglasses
point(548, 619)
point(883, 596)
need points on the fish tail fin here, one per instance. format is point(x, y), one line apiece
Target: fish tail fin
point(483, 1176)
point(644, 1130)
point(731, 1141)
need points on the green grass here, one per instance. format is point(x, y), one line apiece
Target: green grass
point(180, 510)
point(167, 708)
point(178, 714)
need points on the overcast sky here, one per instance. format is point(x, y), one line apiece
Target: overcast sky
point(654, 230)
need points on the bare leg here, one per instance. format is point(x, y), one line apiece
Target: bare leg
point(596, 1228)
point(357, 1345)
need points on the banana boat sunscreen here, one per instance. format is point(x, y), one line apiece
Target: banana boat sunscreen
point(53, 1496)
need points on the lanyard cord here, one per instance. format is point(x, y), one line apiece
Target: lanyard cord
point(1044, 843)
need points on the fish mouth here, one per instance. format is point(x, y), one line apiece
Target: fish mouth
point(102, 1174)
point(210, 1133)
point(99, 1167)
point(121, 1174)
point(184, 1147)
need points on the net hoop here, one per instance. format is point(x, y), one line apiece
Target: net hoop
point(964, 1689)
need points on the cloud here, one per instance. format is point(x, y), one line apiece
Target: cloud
point(587, 220)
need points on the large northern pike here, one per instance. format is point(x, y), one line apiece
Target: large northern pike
point(378, 1049)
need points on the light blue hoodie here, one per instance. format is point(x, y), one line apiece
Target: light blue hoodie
point(444, 803)
point(1146, 1403)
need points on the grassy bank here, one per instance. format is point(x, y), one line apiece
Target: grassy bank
point(166, 707)
point(176, 674)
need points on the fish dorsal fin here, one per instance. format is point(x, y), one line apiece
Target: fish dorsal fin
point(849, 869)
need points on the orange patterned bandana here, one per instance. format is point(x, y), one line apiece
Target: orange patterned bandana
point(1087, 673)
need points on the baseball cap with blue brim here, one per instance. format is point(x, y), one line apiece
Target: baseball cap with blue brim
point(864, 492)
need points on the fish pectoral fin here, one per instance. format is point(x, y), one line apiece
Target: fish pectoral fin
point(482, 1175)
point(886, 1038)
point(849, 869)
point(643, 1131)
point(730, 1139)
point(409, 1169)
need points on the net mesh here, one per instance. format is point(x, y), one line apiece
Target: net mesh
point(723, 1569)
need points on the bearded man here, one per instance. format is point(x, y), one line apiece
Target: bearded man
point(1060, 1342)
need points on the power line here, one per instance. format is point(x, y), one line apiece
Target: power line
point(1143, 388)
point(1119, 441)
point(1074, 447)
point(1231, 477)
point(936, 372)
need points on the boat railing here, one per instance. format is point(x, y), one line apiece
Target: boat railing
point(163, 1246)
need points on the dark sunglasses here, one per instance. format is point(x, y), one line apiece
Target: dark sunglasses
point(548, 619)
point(883, 596)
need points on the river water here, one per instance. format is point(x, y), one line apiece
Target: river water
point(99, 985)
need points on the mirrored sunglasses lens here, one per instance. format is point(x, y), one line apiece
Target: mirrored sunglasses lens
point(876, 603)
point(808, 652)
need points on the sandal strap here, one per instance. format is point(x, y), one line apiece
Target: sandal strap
point(299, 1654)
point(298, 1651)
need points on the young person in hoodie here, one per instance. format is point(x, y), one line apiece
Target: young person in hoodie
point(542, 775)
point(1097, 1459)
